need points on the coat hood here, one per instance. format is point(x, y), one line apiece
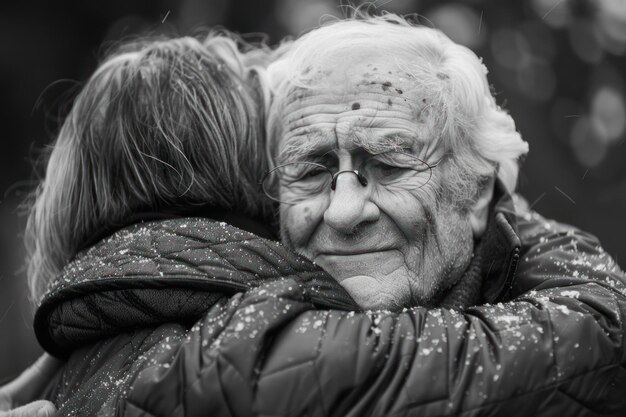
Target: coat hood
point(165, 271)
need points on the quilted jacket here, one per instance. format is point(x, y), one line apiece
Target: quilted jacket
point(192, 317)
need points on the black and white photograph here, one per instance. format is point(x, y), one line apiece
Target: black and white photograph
point(313, 208)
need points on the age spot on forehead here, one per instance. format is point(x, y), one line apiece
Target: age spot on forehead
point(386, 85)
point(356, 106)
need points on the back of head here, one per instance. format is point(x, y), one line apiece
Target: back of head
point(477, 134)
point(161, 125)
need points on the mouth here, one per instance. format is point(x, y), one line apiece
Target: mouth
point(353, 252)
point(343, 264)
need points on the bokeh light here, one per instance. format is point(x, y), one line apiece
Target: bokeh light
point(608, 113)
point(563, 115)
point(510, 48)
point(556, 13)
point(611, 24)
point(584, 41)
point(539, 39)
point(299, 16)
point(536, 79)
point(461, 23)
point(588, 143)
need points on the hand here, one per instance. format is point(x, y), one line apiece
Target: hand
point(27, 388)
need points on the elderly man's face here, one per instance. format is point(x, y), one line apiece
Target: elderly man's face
point(389, 246)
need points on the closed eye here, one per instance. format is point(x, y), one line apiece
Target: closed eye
point(300, 172)
point(313, 171)
point(387, 171)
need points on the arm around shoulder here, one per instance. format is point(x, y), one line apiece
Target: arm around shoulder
point(269, 351)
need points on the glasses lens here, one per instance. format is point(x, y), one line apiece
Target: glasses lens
point(397, 169)
point(291, 183)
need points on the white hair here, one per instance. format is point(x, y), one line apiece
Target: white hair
point(450, 75)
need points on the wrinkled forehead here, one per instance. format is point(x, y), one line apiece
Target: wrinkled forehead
point(377, 106)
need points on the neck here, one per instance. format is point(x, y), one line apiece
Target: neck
point(467, 290)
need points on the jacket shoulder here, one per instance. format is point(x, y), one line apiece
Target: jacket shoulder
point(555, 254)
point(97, 379)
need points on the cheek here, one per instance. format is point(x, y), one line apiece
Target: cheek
point(411, 211)
point(298, 223)
point(307, 215)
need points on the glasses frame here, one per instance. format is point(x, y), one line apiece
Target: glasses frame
point(360, 177)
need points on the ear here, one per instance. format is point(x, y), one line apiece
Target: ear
point(479, 214)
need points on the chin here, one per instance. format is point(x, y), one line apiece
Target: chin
point(370, 294)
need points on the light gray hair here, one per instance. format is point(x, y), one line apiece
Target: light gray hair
point(161, 124)
point(480, 136)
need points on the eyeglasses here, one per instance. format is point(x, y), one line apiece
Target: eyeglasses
point(294, 182)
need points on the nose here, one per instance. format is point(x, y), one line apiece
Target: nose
point(350, 205)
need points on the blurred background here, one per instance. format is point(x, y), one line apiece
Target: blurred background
point(558, 66)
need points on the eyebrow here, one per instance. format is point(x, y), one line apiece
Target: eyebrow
point(313, 142)
point(390, 142)
point(401, 140)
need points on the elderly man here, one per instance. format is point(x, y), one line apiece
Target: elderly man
point(394, 170)
point(388, 147)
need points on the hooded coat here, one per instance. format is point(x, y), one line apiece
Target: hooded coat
point(194, 317)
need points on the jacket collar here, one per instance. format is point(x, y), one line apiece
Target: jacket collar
point(259, 227)
point(499, 248)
